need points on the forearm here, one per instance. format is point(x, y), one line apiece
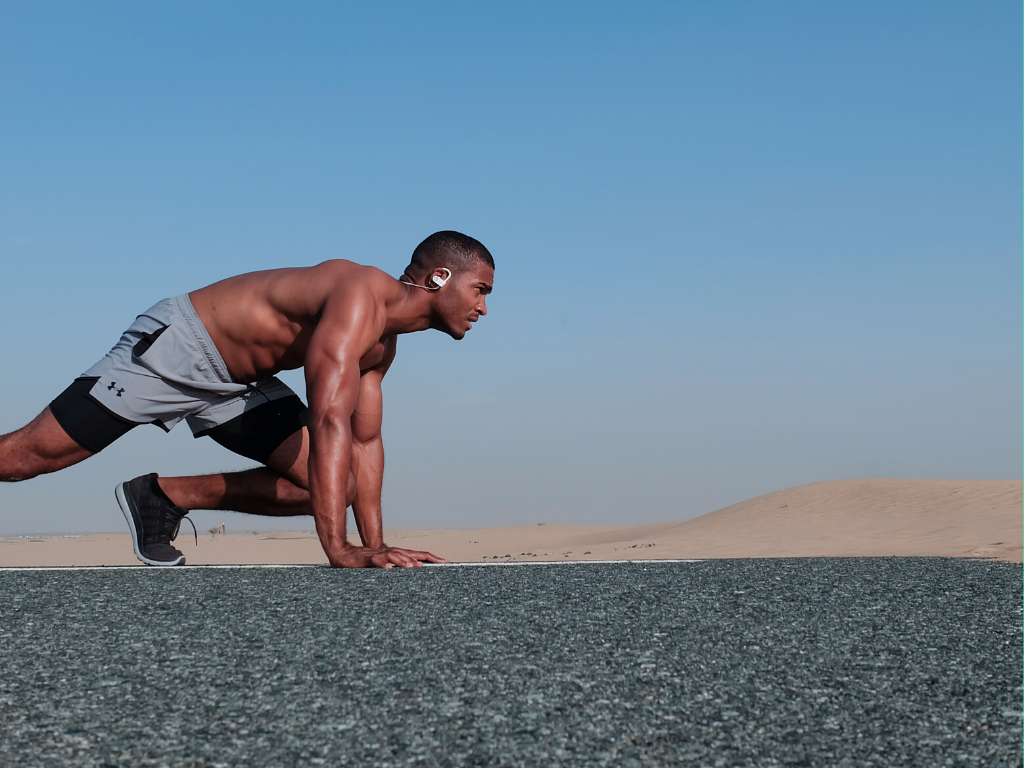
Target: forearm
point(368, 469)
point(329, 465)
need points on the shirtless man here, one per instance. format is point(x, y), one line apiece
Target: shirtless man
point(210, 357)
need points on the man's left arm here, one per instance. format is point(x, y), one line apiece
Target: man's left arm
point(368, 459)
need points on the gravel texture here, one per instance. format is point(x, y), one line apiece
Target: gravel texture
point(816, 662)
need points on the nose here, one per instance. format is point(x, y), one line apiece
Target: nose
point(481, 308)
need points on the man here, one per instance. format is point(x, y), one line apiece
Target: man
point(210, 357)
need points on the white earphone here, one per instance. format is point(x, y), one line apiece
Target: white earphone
point(440, 281)
point(437, 280)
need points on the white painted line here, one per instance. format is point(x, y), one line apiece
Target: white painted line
point(320, 565)
point(556, 562)
point(141, 567)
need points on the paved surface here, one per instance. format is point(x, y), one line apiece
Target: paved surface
point(719, 663)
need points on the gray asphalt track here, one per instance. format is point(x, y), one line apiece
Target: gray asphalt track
point(721, 663)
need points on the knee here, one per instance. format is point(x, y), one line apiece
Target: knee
point(27, 453)
point(16, 474)
point(18, 462)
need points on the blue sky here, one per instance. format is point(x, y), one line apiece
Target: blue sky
point(739, 246)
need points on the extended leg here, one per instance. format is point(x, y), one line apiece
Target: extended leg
point(40, 447)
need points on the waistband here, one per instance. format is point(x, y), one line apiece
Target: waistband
point(202, 337)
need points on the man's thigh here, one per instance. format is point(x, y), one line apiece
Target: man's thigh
point(87, 422)
point(270, 429)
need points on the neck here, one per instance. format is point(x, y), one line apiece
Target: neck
point(411, 309)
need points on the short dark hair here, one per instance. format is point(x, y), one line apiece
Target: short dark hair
point(447, 249)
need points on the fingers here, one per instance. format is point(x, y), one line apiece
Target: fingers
point(385, 557)
point(427, 557)
point(389, 558)
point(381, 560)
point(401, 557)
point(423, 556)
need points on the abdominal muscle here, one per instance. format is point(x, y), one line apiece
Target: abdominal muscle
point(261, 322)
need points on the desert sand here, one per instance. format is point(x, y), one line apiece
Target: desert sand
point(838, 518)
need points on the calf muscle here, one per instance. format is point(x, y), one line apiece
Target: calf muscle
point(259, 491)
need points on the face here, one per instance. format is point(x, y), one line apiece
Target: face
point(463, 300)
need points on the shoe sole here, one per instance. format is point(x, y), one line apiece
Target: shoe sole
point(131, 514)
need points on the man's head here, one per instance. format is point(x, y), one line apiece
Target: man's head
point(461, 295)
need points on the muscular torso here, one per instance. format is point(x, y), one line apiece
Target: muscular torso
point(261, 322)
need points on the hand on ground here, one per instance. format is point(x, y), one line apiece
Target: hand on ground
point(383, 557)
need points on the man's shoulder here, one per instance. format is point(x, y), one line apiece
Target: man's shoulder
point(349, 289)
point(345, 274)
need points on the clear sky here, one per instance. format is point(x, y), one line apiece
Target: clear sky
point(740, 246)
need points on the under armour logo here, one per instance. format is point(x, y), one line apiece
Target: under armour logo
point(113, 385)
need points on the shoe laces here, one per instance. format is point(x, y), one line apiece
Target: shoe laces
point(177, 525)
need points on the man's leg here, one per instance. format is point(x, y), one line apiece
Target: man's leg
point(40, 447)
point(255, 491)
point(279, 489)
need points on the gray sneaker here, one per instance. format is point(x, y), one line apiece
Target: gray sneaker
point(153, 520)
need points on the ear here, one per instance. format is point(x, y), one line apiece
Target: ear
point(439, 277)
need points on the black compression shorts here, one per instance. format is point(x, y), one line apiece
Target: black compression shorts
point(255, 433)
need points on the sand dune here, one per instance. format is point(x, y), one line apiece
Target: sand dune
point(838, 518)
point(845, 518)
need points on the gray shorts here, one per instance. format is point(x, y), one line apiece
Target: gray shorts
point(164, 369)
